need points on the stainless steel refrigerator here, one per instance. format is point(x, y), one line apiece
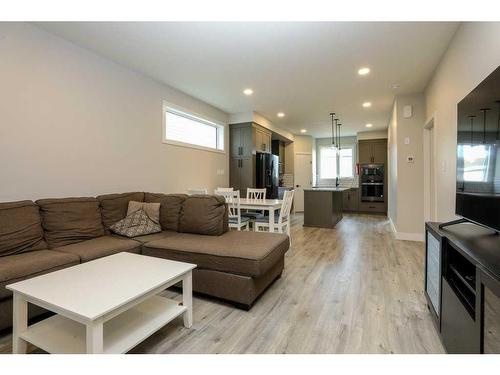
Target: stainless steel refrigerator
point(267, 173)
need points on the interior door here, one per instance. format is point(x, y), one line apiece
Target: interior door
point(303, 179)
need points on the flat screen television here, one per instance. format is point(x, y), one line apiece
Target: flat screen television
point(478, 154)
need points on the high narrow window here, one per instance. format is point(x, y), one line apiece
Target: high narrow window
point(186, 129)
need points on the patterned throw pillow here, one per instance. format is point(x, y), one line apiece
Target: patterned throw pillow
point(136, 224)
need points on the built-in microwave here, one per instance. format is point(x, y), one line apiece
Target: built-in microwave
point(372, 170)
point(372, 183)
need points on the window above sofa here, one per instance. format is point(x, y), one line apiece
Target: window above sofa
point(183, 128)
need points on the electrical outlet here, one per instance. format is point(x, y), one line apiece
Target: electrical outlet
point(410, 159)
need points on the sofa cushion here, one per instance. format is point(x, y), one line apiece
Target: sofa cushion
point(20, 228)
point(70, 220)
point(170, 208)
point(151, 209)
point(138, 223)
point(101, 247)
point(23, 266)
point(238, 252)
point(203, 214)
point(114, 206)
point(155, 236)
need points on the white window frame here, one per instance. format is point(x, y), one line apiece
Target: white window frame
point(221, 128)
point(331, 181)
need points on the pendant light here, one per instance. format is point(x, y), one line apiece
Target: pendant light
point(484, 122)
point(338, 136)
point(332, 115)
point(471, 117)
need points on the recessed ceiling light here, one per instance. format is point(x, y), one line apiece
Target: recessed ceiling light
point(303, 130)
point(369, 125)
point(248, 92)
point(281, 114)
point(367, 104)
point(363, 71)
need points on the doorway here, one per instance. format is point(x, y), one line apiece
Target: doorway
point(303, 178)
point(430, 209)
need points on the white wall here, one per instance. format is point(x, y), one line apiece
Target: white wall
point(73, 123)
point(406, 187)
point(472, 55)
point(252, 116)
point(376, 134)
point(392, 165)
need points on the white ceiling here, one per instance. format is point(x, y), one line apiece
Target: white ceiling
point(305, 70)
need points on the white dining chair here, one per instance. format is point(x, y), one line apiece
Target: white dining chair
point(282, 220)
point(234, 209)
point(197, 191)
point(254, 194)
point(223, 189)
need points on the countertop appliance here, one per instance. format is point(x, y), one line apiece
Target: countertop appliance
point(267, 173)
point(372, 183)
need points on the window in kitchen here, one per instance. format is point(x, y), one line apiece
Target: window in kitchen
point(476, 162)
point(186, 129)
point(329, 163)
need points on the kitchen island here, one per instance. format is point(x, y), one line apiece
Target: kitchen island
point(323, 206)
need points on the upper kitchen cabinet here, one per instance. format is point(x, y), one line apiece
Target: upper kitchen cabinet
point(241, 139)
point(262, 139)
point(373, 151)
point(248, 138)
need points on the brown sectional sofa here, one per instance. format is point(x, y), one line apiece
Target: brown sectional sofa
point(51, 234)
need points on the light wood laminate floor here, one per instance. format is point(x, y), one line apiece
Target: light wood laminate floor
point(352, 289)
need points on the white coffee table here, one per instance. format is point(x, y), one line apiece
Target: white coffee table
point(108, 305)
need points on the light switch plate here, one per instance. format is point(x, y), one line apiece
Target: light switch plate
point(407, 111)
point(407, 140)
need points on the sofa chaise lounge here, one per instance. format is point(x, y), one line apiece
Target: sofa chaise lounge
point(51, 234)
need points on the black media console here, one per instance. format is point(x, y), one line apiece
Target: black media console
point(462, 286)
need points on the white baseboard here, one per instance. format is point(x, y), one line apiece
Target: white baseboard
point(406, 236)
point(409, 236)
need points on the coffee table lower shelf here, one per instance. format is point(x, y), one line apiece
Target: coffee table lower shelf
point(58, 334)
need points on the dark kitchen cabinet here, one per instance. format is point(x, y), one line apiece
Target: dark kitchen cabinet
point(242, 174)
point(262, 139)
point(373, 151)
point(241, 139)
point(246, 139)
point(350, 200)
point(278, 149)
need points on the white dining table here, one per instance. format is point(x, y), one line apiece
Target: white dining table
point(270, 205)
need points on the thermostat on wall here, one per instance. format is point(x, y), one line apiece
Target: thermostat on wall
point(407, 111)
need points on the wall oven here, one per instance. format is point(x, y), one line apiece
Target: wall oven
point(372, 183)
